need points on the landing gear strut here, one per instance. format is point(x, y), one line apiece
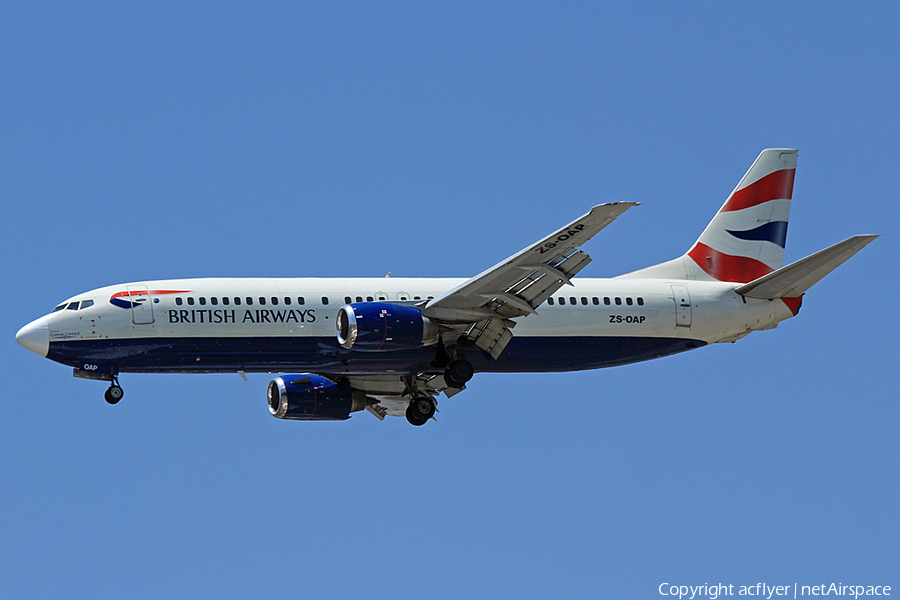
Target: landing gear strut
point(458, 373)
point(420, 410)
point(114, 393)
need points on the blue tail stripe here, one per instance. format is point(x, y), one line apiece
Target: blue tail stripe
point(773, 231)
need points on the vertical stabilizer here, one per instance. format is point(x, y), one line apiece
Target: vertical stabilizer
point(745, 240)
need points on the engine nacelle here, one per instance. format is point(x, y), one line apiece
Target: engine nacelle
point(308, 397)
point(379, 327)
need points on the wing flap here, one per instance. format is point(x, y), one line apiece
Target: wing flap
point(796, 278)
point(491, 335)
point(544, 280)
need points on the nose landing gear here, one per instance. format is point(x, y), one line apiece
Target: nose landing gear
point(102, 373)
point(114, 393)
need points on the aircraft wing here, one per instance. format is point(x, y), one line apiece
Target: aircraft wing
point(518, 285)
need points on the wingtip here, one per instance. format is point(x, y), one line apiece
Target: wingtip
point(867, 238)
point(626, 203)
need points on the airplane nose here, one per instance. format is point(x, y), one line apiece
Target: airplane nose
point(35, 336)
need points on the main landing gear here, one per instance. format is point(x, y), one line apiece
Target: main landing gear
point(420, 410)
point(458, 373)
point(114, 393)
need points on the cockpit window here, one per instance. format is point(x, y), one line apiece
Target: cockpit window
point(59, 308)
point(72, 306)
point(86, 303)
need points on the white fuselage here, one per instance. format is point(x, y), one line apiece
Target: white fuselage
point(233, 324)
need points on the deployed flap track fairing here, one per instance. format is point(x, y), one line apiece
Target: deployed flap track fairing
point(395, 344)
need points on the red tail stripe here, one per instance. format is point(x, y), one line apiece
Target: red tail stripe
point(794, 303)
point(726, 267)
point(773, 186)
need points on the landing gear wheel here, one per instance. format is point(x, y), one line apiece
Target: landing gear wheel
point(459, 373)
point(413, 419)
point(114, 394)
point(420, 410)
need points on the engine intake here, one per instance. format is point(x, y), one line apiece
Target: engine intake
point(307, 397)
point(380, 327)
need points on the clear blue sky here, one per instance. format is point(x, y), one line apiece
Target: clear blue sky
point(158, 140)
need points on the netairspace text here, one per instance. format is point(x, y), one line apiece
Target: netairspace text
point(764, 590)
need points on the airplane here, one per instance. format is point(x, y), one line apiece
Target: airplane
point(392, 345)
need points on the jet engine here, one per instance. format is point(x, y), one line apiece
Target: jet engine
point(307, 397)
point(379, 327)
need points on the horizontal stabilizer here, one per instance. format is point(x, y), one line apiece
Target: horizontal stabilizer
point(793, 280)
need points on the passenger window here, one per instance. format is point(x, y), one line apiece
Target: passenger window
point(431, 297)
point(572, 300)
point(584, 300)
point(225, 300)
point(214, 301)
point(550, 301)
point(416, 298)
point(324, 299)
point(191, 300)
point(237, 300)
point(86, 304)
point(561, 301)
point(381, 298)
point(369, 299)
point(629, 301)
point(640, 301)
point(301, 300)
point(202, 301)
point(347, 299)
point(179, 301)
point(262, 301)
point(274, 301)
point(618, 301)
point(606, 300)
point(596, 301)
point(359, 298)
point(249, 301)
point(287, 301)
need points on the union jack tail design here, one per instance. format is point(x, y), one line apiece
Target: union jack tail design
point(745, 240)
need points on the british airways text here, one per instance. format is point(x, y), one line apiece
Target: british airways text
point(263, 315)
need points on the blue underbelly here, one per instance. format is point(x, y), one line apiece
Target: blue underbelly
point(325, 356)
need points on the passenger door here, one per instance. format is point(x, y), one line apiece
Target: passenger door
point(682, 306)
point(141, 304)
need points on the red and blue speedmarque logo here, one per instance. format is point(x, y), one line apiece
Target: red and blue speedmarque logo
point(132, 298)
